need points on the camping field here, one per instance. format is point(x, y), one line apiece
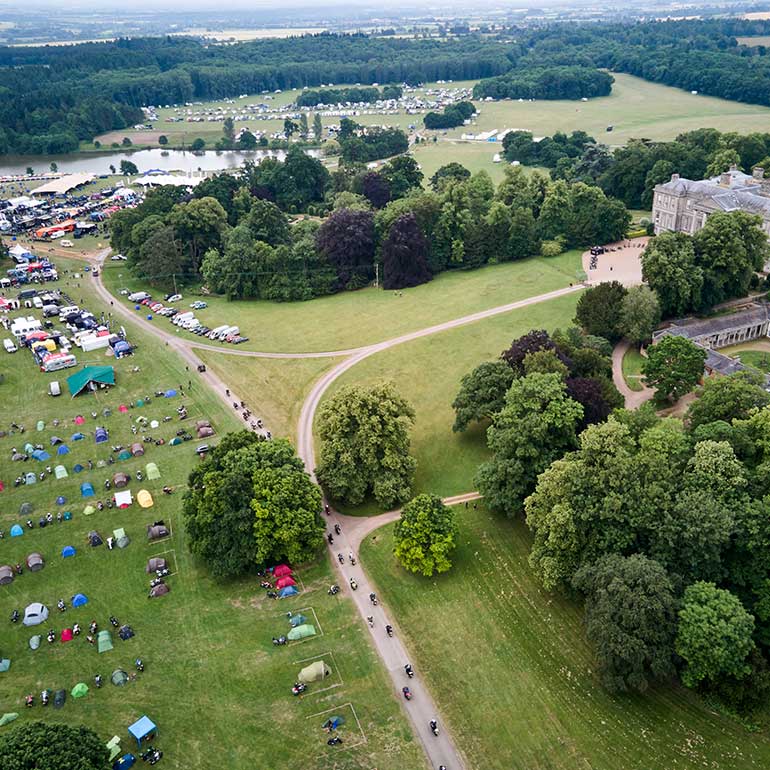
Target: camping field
point(353, 319)
point(215, 685)
point(513, 675)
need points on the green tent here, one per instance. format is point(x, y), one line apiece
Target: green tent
point(301, 632)
point(5, 664)
point(34, 642)
point(152, 471)
point(125, 455)
point(40, 425)
point(88, 510)
point(104, 641)
point(60, 472)
point(77, 383)
point(119, 677)
point(176, 441)
point(9, 717)
point(315, 672)
point(80, 690)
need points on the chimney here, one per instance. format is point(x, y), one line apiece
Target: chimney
point(674, 177)
point(733, 167)
point(724, 179)
point(758, 173)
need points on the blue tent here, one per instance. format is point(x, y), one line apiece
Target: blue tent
point(77, 436)
point(87, 489)
point(63, 450)
point(16, 531)
point(78, 600)
point(170, 393)
point(78, 468)
point(68, 550)
point(40, 455)
point(288, 591)
point(30, 478)
point(60, 500)
point(100, 435)
point(143, 728)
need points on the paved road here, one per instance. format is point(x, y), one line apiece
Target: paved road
point(421, 709)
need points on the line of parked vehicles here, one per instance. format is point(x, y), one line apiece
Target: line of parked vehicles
point(186, 319)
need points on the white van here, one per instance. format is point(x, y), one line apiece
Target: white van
point(190, 323)
point(10, 346)
point(65, 311)
point(138, 296)
point(37, 302)
point(182, 318)
point(214, 333)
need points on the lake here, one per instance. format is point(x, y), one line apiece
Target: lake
point(145, 160)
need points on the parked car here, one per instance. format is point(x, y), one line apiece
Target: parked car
point(118, 258)
point(239, 340)
point(173, 298)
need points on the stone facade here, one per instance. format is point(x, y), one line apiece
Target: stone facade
point(722, 331)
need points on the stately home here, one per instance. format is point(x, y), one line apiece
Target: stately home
point(682, 205)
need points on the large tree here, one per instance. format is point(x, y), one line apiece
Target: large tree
point(404, 255)
point(199, 225)
point(42, 746)
point(482, 393)
point(346, 238)
point(670, 270)
point(727, 398)
point(536, 426)
point(630, 617)
point(425, 536)
point(267, 222)
point(531, 342)
point(236, 270)
point(365, 445)
point(674, 366)
point(600, 310)
point(402, 174)
point(714, 636)
point(639, 314)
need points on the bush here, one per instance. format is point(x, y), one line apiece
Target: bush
point(552, 248)
point(638, 233)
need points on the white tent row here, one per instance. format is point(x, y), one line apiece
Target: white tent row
point(164, 179)
point(64, 184)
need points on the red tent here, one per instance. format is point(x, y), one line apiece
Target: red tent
point(282, 570)
point(66, 635)
point(123, 408)
point(285, 581)
point(79, 420)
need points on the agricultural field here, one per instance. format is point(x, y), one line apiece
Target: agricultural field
point(513, 675)
point(218, 689)
point(353, 319)
point(427, 372)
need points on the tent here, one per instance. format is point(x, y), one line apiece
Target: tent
point(315, 672)
point(35, 614)
point(79, 420)
point(137, 450)
point(140, 402)
point(40, 455)
point(55, 440)
point(124, 455)
point(101, 435)
point(154, 424)
point(154, 564)
point(121, 538)
point(296, 620)
point(78, 600)
point(119, 677)
point(94, 538)
point(67, 551)
point(89, 510)
point(63, 449)
point(156, 531)
point(125, 632)
point(17, 457)
point(77, 436)
point(104, 641)
point(120, 480)
point(332, 723)
point(159, 590)
point(301, 632)
point(284, 593)
point(66, 635)
point(61, 473)
point(6, 575)
point(122, 408)
point(143, 728)
point(205, 432)
point(152, 471)
point(169, 393)
point(60, 500)
point(144, 498)
point(80, 690)
point(103, 375)
point(67, 515)
point(30, 478)
point(29, 449)
point(40, 425)
point(176, 441)
point(281, 571)
point(285, 581)
point(87, 489)
point(16, 531)
point(34, 641)
point(78, 468)
point(59, 697)
point(5, 664)
point(101, 463)
point(8, 717)
point(123, 498)
point(35, 562)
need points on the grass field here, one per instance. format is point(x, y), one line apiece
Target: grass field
point(513, 675)
point(214, 683)
point(636, 108)
point(351, 319)
point(427, 373)
point(632, 368)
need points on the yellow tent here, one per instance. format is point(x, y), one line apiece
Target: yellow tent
point(144, 498)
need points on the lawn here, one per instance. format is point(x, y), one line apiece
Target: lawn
point(214, 683)
point(633, 361)
point(352, 319)
point(427, 372)
point(759, 359)
point(514, 677)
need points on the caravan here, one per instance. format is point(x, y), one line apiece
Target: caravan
point(53, 362)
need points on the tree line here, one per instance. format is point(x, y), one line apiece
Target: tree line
point(451, 116)
point(353, 95)
point(235, 234)
point(546, 83)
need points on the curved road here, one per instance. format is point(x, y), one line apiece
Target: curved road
point(439, 750)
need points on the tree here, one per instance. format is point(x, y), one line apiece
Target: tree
point(715, 634)
point(31, 171)
point(531, 342)
point(236, 272)
point(545, 362)
point(674, 366)
point(402, 174)
point(197, 145)
point(162, 140)
point(630, 617)
point(200, 226)
point(346, 238)
point(600, 308)
point(228, 130)
point(42, 746)
point(113, 170)
point(482, 393)
point(404, 255)
point(160, 256)
point(523, 240)
point(267, 222)
point(376, 189)
point(54, 167)
point(247, 140)
point(670, 270)
point(721, 161)
point(303, 126)
point(365, 445)
point(126, 142)
point(425, 536)
point(127, 168)
point(639, 314)
point(289, 128)
point(317, 127)
point(590, 394)
point(451, 172)
point(727, 398)
point(534, 428)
